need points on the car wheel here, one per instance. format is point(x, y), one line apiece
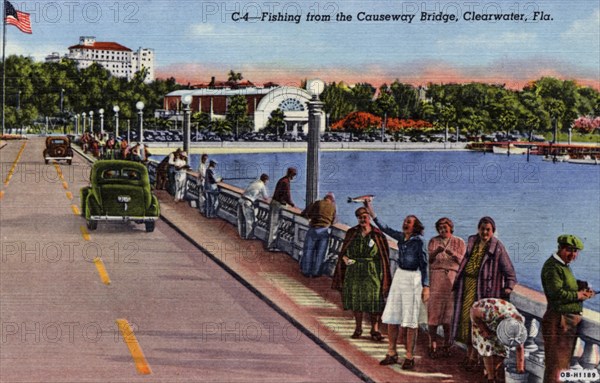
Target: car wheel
point(92, 224)
point(150, 227)
point(46, 161)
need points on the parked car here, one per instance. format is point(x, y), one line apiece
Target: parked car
point(119, 191)
point(58, 148)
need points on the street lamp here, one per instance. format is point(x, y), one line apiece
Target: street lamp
point(92, 121)
point(83, 120)
point(101, 111)
point(315, 109)
point(61, 101)
point(76, 117)
point(116, 110)
point(140, 107)
point(186, 100)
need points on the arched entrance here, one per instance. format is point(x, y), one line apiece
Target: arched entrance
point(292, 101)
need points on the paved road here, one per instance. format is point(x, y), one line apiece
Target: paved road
point(168, 311)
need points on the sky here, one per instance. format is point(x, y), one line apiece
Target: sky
point(195, 40)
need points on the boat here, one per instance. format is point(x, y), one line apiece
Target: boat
point(586, 160)
point(506, 150)
point(556, 158)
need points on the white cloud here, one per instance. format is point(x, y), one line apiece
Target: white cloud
point(483, 41)
point(584, 28)
point(201, 29)
point(36, 51)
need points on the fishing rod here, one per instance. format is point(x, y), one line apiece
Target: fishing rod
point(238, 178)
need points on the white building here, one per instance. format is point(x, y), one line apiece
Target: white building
point(119, 60)
point(261, 102)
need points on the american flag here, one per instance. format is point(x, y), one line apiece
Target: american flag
point(17, 18)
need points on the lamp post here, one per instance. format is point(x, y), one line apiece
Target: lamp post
point(186, 100)
point(315, 109)
point(61, 101)
point(76, 117)
point(92, 121)
point(83, 121)
point(101, 111)
point(140, 107)
point(116, 110)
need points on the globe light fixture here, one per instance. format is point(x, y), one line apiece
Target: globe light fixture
point(116, 109)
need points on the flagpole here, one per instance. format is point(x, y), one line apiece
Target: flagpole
point(3, 63)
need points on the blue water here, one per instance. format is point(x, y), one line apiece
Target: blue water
point(531, 203)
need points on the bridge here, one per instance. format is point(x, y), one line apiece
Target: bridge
point(189, 302)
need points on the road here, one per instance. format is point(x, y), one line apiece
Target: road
point(122, 305)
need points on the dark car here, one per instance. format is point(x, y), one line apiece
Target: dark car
point(58, 149)
point(119, 191)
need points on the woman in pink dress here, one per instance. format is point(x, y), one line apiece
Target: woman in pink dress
point(445, 255)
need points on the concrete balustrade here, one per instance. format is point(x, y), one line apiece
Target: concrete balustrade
point(293, 228)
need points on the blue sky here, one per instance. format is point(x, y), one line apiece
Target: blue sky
point(195, 40)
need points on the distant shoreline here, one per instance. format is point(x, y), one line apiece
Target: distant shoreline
point(227, 147)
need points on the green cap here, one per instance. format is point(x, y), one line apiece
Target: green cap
point(570, 240)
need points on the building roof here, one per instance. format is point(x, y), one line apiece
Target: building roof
point(220, 92)
point(100, 45)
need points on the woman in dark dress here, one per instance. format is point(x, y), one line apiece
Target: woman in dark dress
point(486, 271)
point(362, 273)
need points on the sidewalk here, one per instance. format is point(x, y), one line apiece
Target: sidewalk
point(309, 303)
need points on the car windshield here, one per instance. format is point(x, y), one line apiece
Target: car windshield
point(122, 174)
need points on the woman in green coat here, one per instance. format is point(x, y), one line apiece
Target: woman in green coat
point(362, 273)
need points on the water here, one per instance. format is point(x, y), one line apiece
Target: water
point(531, 203)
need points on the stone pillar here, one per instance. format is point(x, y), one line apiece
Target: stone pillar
point(315, 107)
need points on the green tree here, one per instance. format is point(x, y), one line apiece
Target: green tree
point(337, 99)
point(237, 113)
point(220, 126)
point(407, 99)
point(362, 96)
point(233, 78)
point(276, 123)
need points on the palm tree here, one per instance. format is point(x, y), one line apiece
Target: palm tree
point(233, 78)
point(220, 126)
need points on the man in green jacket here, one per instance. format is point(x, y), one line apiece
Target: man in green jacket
point(565, 298)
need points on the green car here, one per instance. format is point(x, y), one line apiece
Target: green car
point(119, 191)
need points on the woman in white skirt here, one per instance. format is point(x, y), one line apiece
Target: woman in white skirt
point(181, 167)
point(410, 287)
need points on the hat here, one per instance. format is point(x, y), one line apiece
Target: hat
point(331, 196)
point(511, 332)
point(212, 162)
point(489, 220)
point(570, 240)
point(360, 211)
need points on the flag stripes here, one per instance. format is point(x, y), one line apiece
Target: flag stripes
point(19, 19)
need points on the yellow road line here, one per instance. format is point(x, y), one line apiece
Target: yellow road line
point(65, 185)
point(70, 195)
point(14, 164)
point(102, 271)
point(85, 233)
point(1, 194)
point(75, 209)
point(135, 350)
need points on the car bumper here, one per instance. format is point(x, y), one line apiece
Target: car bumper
point(119, 218)
point(58, 158)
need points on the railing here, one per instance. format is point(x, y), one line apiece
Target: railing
point(292, 230)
